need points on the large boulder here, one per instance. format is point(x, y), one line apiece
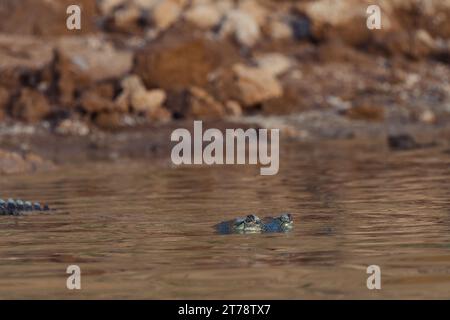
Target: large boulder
point(84, 61)
point(30, 106)
point(176, 62)
point(23, 59)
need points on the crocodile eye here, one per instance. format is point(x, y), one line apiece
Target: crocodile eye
point(286, 217)
point(250, 218)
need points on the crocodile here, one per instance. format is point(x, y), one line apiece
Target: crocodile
point(253, 224)
point(18, 207)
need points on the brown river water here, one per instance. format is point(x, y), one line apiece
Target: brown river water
point(140, 230)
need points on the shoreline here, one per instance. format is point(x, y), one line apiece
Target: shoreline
point(50, 149)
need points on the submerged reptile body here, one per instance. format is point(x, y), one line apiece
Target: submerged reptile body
point(253, 224)
point(18, 207)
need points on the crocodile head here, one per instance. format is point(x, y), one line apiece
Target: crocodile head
point(251, 223)
point(285, 221)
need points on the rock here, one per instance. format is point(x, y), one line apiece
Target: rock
point(428, 117)
point(106, 7)
point(30, 106)
point(131, 84)
point(338, 104)
point(148, 4)
point(92, 102)
point(4, 100)
point(22, 57)
point(423, 44)
point(255, 85)
point(24, 52)
point(104, 89)
point(165, 13)
point(255, 10)
point(233, 108)
point(418, 44)
point(175, 62)
point(109, 120)
point(301, 27)
point(202, 105)
point(280, 30)
point(345, 20)
point(408, 26)
point(127, 19)
point(204, 16)
point(402, 142)
point(147, 101)
point(433, 16)
point(84, 61)
point(72, 127)
point(98, 98)
point(14, 163)
point(437, 20)
point(122, 102)
point(223, 6)
point(159, 115)
point(366, 112)
point(274, 63)
point(242, 26)
point(295, 99)
point(135, 95)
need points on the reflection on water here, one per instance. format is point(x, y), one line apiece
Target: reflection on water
point(139, 231)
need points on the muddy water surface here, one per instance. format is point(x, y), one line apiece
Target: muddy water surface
point(143, 231)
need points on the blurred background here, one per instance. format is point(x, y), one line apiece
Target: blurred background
point(310, 68)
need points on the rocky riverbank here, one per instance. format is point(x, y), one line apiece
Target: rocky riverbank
point(153, 64)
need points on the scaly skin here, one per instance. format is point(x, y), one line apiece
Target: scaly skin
point(252, 224)
point(249, 224)
point(282, 223)
point(17, 207)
